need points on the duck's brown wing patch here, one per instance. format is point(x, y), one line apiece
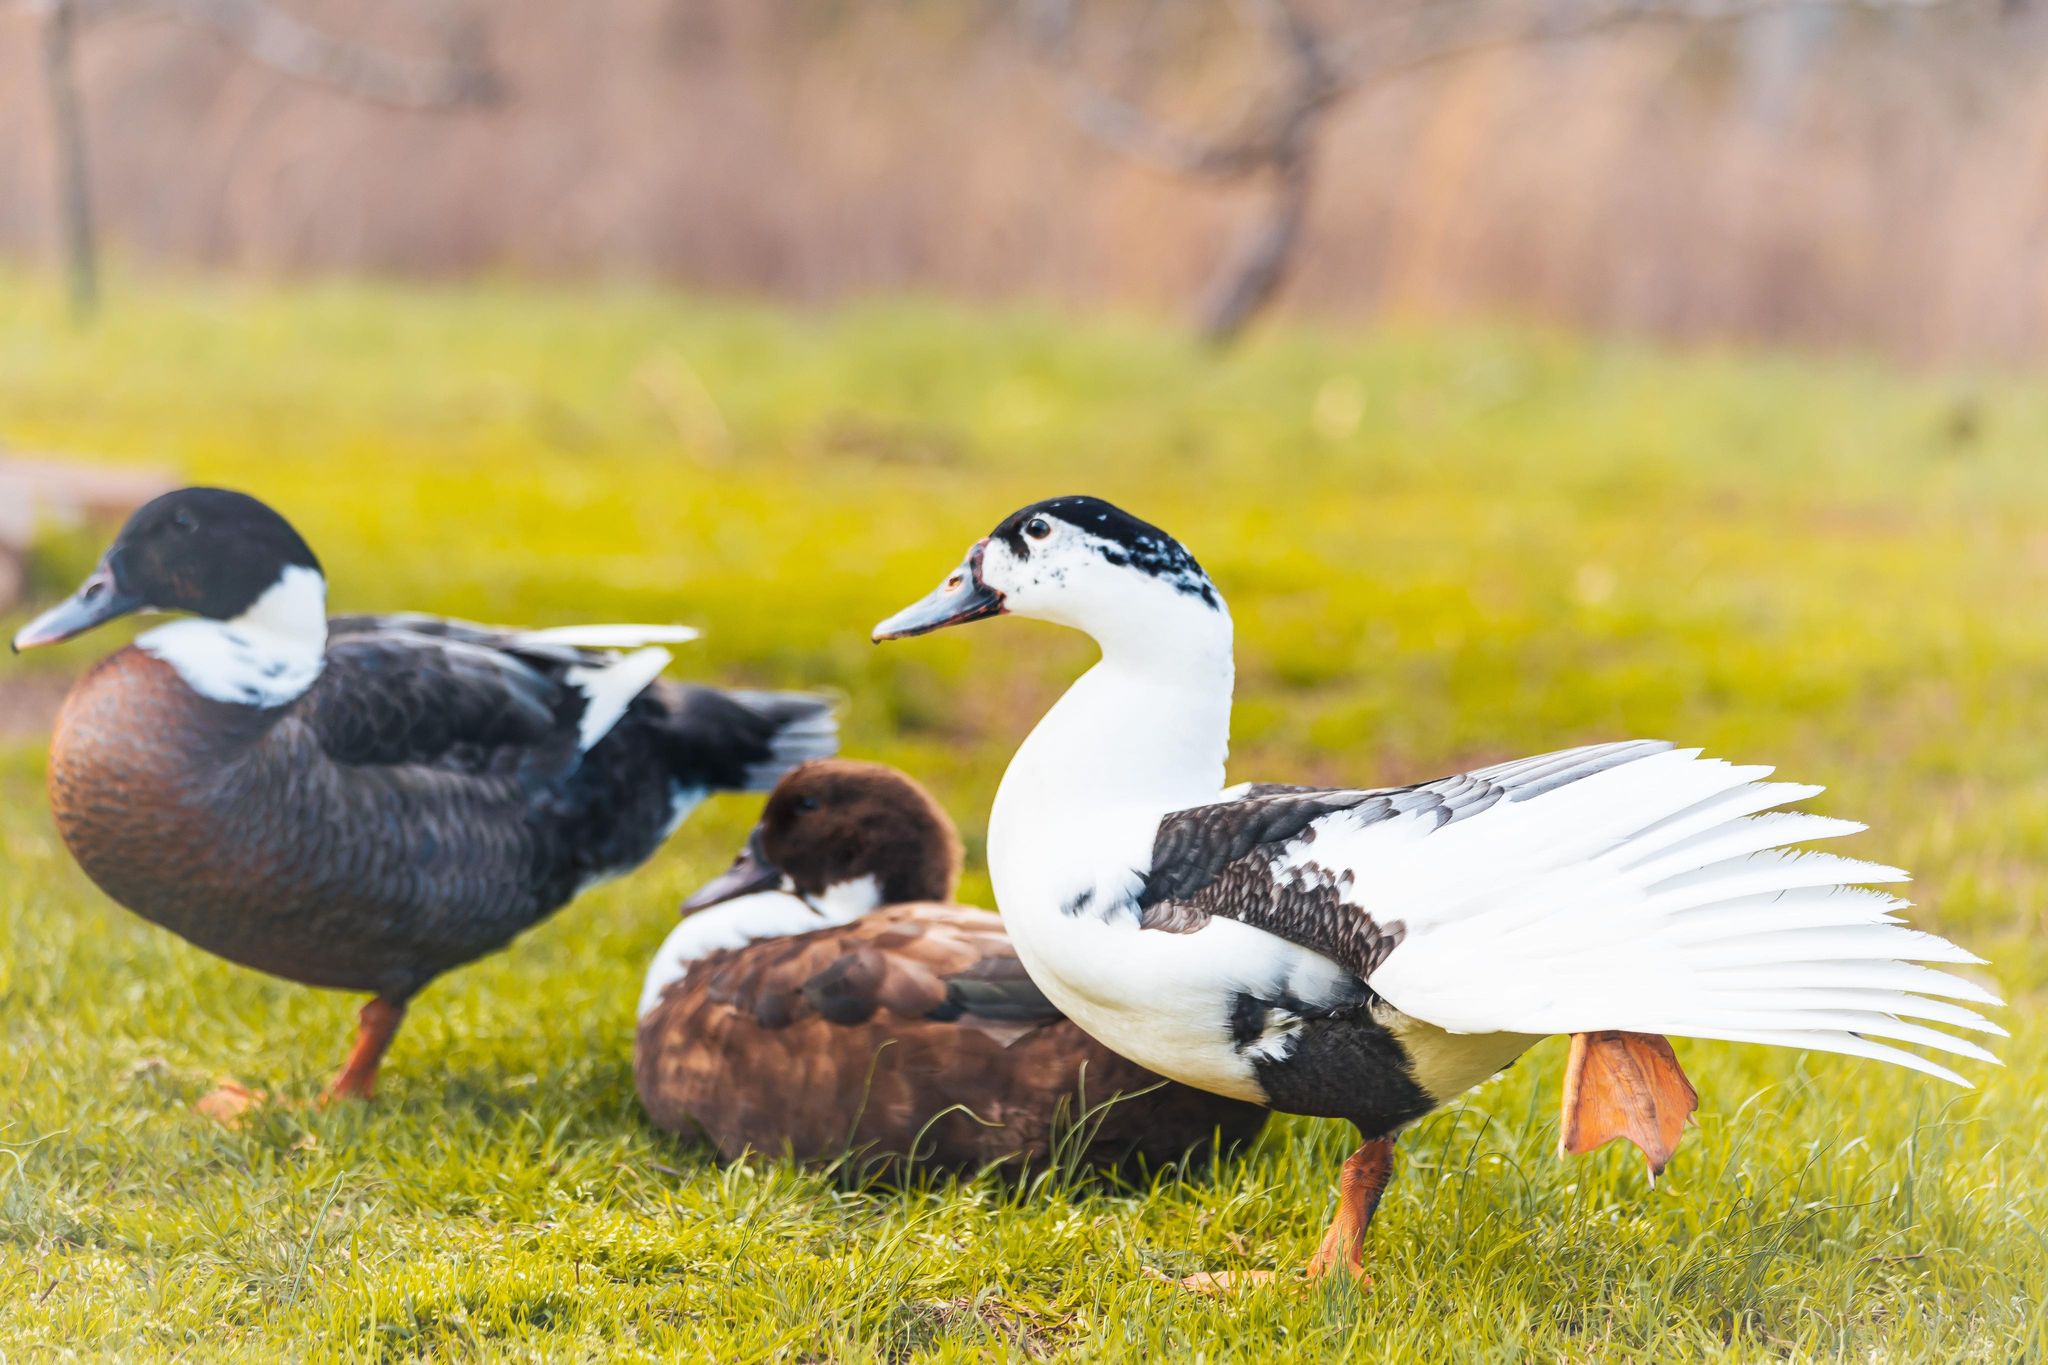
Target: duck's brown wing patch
point(913, 1033)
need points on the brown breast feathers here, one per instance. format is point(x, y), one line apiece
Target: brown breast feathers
point(914, 1034)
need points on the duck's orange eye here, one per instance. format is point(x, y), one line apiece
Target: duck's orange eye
point(1038, 528)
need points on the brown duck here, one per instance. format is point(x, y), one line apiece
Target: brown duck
point(824, 997)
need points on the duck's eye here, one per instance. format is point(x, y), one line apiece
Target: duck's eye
point(184, 522)
point(807, 803)
point(1038, 528)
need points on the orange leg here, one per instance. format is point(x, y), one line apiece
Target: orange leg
point(378, 1025)
point(1364, 1180)
point(1365, 1177)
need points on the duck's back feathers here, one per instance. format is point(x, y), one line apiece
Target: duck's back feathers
point(399, 696)
point(911, 1031)
point(1623, 886)
point(412, 689)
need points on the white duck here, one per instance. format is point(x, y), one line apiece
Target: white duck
point(1370, 954)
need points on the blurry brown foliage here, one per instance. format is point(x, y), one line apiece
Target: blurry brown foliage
point(1818, 175)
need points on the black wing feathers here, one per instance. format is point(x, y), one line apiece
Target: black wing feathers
point(1194, 846)
point(410, 689)
point(397, 697)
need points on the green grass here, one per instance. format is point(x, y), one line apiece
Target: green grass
point(1441, 547)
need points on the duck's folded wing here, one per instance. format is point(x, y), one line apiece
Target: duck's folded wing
point(392, 695)
point(1621, 886)
point(921, 962)
point(710, 739)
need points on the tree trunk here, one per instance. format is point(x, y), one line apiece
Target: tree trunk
point(74, 182)
point(1258, 265)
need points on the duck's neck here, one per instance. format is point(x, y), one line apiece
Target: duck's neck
point(845, 901)
point(266, 657)
point(1144, 732)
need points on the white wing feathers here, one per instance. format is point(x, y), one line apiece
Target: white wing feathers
point(606, 637)
point(609, 688)
point(1656, 897)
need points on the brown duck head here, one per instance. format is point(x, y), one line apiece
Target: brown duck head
point(836, 831)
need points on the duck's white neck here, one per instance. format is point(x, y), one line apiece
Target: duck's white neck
point(1143, 732)
point(266, 657)
point(847, 900)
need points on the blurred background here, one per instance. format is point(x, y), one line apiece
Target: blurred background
point(1525, 372)
point(1861, 174)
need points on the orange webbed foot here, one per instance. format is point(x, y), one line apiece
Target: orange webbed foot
point(229, 1103)
point(1625, 1085)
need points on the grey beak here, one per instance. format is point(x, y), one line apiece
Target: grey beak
point(961, 598)
point(750, 872)
point(98, 601)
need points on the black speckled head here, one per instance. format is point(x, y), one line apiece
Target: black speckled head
point(1126, 542)
point(205, 551)
point(1079, 561)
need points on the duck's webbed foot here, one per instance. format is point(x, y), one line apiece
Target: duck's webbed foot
point(1625, 1085)
point(1364, 1179)
point(1217, 1281)
point(377, 1026)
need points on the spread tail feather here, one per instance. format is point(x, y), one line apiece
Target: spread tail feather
point(1657, 896)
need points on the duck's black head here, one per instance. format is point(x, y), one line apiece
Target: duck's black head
point(1077, 560)
point(207, 552)
point(838, 828)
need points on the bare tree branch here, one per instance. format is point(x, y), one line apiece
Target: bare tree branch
point(1367, 57)
point(1274, 140)
point(461, 75)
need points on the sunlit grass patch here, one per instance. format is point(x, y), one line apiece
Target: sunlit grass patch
point(1440, 548)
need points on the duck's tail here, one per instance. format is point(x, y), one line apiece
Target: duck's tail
point(1658, 895)
point(742, 741)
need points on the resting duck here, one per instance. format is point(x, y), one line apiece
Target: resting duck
point(365, 802)
point(826, 997)
point(1369, 954)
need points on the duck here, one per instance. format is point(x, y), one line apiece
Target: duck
point(363, 803)
point(1369, 954)
point(827, 997)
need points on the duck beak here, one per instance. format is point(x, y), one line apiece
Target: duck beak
point(98, 601)
point(961, 598)
point(750, 872)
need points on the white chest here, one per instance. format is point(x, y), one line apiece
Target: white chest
point(1165, 1000)
point(1160, 999)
